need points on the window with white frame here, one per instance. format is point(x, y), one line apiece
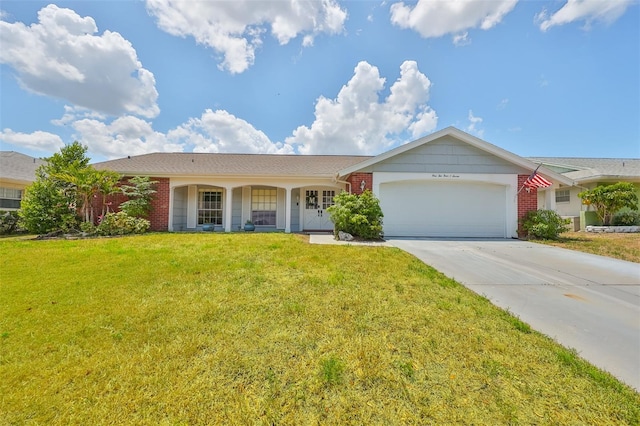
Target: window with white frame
point(563, 195)
point(210, 207)
point(264, 203)
point(327, 199)
point(10, 198)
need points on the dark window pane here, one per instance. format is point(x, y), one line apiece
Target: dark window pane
point(9, 204)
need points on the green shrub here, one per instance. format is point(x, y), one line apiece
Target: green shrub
point(46, 207)
point(122, 224)
point(544, 224)
point(608, 199)
point(140, 193)
point(88, 228)
point(626, 218)
point(359, 215)
point(8, 222)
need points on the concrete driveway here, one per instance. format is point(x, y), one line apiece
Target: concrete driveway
point(586, 302)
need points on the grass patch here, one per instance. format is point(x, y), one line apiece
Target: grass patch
point(619, 246)
point(267, 329)
point(332, 370)
point(517, 323)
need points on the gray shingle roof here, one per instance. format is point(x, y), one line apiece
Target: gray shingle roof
point(589, 169)
point(18, 167)
point(185, 164)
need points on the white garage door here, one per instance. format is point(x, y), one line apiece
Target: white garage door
point(443, 209)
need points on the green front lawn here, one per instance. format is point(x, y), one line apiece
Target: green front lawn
point(267, 329)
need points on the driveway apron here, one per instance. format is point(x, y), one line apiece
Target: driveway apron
point(586, 302)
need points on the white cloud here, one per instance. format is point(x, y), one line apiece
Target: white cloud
point(213, 131)
point(37, 141)
point(307, 41)
point(126, 135)
point(61, 57)
point(220, 131)
point(461, 39)
point(356, 122)
point(235, 28)
point(437, 18)
point(72, 114)
point(589, 11)
point(473, 122)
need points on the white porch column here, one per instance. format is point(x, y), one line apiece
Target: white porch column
point(228, 204)
point(170, 223)
point(287, 210)
point(550, 198)
point(192, 207)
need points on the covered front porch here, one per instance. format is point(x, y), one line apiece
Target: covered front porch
point(195, 205)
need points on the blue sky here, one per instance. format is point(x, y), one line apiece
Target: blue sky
point(124, 77)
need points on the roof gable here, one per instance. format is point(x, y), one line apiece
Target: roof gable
point(446, 154)
point(456, 148)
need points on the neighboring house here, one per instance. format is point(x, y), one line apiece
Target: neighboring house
point(17, 171)
point(587, 173)
point(447, 184)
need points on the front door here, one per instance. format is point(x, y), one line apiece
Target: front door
point(316, 202)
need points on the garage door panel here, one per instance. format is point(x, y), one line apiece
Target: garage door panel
point(444, 209)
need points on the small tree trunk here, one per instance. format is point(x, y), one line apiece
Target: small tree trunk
point(86, 208)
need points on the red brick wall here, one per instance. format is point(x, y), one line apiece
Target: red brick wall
point(159, 215)
point(356, 179)
point(527, 201)
point(113, 201)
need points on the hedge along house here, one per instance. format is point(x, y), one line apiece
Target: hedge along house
point(447, 184)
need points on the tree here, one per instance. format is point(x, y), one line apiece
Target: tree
point(88, 183)
point(140, 192)
point(608, 199)
point(65, 186)
point(49, 204)
point(107, 185)
point(45, 208)
point(73, 155)
point(359, 215)
point(81, 182)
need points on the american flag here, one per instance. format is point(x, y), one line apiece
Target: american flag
point(536, 181)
